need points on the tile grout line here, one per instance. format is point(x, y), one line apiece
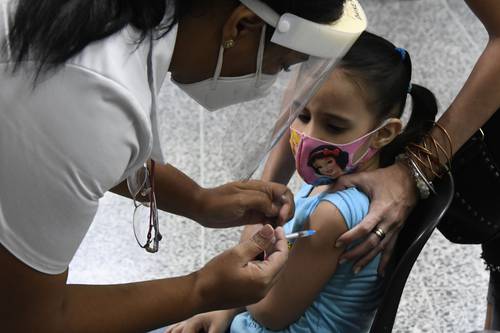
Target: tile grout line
point(457, 21)
point(425, 292)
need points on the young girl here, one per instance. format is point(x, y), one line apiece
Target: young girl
point(352, 124)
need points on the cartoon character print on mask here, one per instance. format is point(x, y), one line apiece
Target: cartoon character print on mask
point(294, 141)
point(328, 161)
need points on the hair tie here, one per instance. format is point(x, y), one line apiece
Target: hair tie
point(402, 53)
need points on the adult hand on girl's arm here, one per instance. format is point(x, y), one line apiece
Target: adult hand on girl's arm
point(393, 194)
point(295, 290)
point(32, 301)
point(215, 321)
point(243, 203)
point(390, 189)
point(229, 205)
point(279, 168)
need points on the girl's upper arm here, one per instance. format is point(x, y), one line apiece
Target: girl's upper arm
point(488, 11)
point(311, 264)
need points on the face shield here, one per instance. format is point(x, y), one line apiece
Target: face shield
point(248, 131)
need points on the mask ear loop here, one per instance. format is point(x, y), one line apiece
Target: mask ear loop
point(218, 67)
point(260, 55)
point(369, 149)
point(260, 58)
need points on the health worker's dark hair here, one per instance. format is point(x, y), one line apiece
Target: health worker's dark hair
point(50, 32)
point(383, 73)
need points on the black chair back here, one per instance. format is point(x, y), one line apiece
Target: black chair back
point(416, 232)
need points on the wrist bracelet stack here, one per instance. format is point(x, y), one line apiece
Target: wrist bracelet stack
point(424, 186)
point(424, 161)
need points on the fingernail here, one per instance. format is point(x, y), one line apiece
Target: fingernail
point(339, 244)
point(342, 261)
point(357, 270)
point(267, 231)
point(274, 211)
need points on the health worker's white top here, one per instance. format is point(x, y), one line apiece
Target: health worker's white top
point(66, 141)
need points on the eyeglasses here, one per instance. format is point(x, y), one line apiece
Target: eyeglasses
point(142, 188)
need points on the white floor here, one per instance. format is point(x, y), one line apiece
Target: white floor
point(446, 290)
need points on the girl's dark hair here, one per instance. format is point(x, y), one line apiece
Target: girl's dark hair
point(340, 156)
point(52, 31)
point(383, 73)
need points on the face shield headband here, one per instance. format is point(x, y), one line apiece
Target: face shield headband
point(328, 41)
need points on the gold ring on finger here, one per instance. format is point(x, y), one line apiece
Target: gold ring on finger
point(379, 232)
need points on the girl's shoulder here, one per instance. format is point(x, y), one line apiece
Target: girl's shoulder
point(352, 204)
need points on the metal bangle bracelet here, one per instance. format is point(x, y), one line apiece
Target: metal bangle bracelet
point(422, 187)
point(420, 173)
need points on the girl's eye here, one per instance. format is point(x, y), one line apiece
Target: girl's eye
point(335, 129)
point(304, 118)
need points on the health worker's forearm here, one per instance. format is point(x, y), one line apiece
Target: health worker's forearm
point(135, 307)
point(175, 192)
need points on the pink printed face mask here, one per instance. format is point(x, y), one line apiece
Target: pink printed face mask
point(320, 162)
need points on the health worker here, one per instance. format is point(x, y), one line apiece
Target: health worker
point(79, 117)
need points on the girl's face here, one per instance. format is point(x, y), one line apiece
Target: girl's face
point(338, 113)
point(327, 166)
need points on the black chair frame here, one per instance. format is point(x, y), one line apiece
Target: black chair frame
point(417, 230)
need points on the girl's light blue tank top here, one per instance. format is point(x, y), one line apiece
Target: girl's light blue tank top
point(347, 303)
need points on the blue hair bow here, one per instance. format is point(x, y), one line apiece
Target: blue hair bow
point(402, 52)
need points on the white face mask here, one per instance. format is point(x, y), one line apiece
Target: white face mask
point(219, 92)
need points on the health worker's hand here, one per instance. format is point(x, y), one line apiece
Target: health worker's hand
point(393, 195)
point(210, 322)
point(235, 278)
point(243, 203)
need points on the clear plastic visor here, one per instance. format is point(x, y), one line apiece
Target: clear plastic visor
point(250, 130)
point(238, 138)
